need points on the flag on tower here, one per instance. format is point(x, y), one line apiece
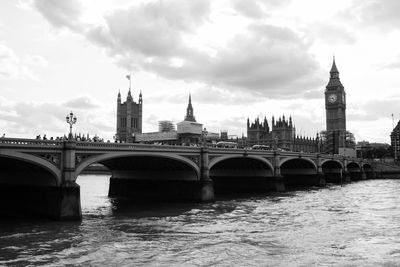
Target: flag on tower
point(128, 77)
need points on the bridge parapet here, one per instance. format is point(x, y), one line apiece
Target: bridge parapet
point(17, 142)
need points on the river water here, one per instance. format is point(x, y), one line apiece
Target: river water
point(354, 225)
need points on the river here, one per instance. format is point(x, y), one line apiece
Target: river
point(354, 225)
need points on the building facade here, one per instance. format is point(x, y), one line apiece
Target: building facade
point(395, 141)
point(282, 135)
point(129, 118)
point(335, 106)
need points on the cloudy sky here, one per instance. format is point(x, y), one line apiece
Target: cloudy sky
point(238, 59)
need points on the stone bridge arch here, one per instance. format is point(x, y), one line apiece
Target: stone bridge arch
point(368, 170)
point(222, 158)
point(109, 156)
point(150, 176)
point(354, 170)
point(299, 171)
point(241, 174)
point(332, 170)
point(49, 176)
point(30, 186)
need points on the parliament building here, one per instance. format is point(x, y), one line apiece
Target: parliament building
point(281, 135)
point(129, 118)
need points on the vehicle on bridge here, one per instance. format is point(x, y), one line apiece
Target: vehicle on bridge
point(261, 147)
point(225, 144)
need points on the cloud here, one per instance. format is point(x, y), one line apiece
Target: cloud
point(209, 95)
point(83, 102)
point(374, 109)
point(250, 9)
point(394, 64)
point(61, 13)
point(8, 62)
point(257, 9)
point(332, 34)
point(382, 15)
point(14, 66)
point(28, 119)
point(265, 59)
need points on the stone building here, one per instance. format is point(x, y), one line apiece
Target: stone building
point(282, 134)
point(335, 106)
point(129, 117)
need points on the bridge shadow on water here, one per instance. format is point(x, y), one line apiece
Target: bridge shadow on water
point(126, 207)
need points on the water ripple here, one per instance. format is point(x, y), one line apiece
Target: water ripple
point(353, 225)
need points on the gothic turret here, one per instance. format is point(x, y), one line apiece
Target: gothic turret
point(140, 98)
point(334, 79)
point(129, 117)
point(189, 111)
point(129, 97)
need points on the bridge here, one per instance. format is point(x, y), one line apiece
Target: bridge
point(38, 177)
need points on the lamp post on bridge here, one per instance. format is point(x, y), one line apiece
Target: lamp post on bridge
point(71, 120)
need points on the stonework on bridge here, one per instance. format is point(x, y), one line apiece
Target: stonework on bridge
point(45, 172)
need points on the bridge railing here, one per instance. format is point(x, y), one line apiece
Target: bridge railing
point(4, 142)
point(131, 146)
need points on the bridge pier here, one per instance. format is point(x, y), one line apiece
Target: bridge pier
point(206, 193)
point(346, 177)
point(69, 199)
point(279, 181)
point(320, 174)
point(49, 202)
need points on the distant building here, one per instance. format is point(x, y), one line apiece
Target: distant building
point(369, 150)
point(129, 118)
point(224, 135)
point(282, 134)
point(395, 141)
point(189, 132)
point(166, 126)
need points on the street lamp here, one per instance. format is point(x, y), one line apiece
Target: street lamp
point(71, 120)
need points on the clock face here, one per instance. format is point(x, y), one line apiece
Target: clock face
point(332, 98)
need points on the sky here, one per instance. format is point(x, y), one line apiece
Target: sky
point(238, 60)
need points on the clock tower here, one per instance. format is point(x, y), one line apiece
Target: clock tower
point(335, 106)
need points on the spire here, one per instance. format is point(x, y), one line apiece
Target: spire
point(140, 97)
point(334, 69)
point(129, 98)
point(119, 96)
point(334, 80)
point(189, 111)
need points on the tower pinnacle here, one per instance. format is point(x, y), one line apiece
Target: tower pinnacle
point(189, 111)
point(334, 69)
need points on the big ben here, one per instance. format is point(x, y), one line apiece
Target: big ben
point(335, 106)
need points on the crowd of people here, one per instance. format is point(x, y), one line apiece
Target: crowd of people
point(76, 137)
